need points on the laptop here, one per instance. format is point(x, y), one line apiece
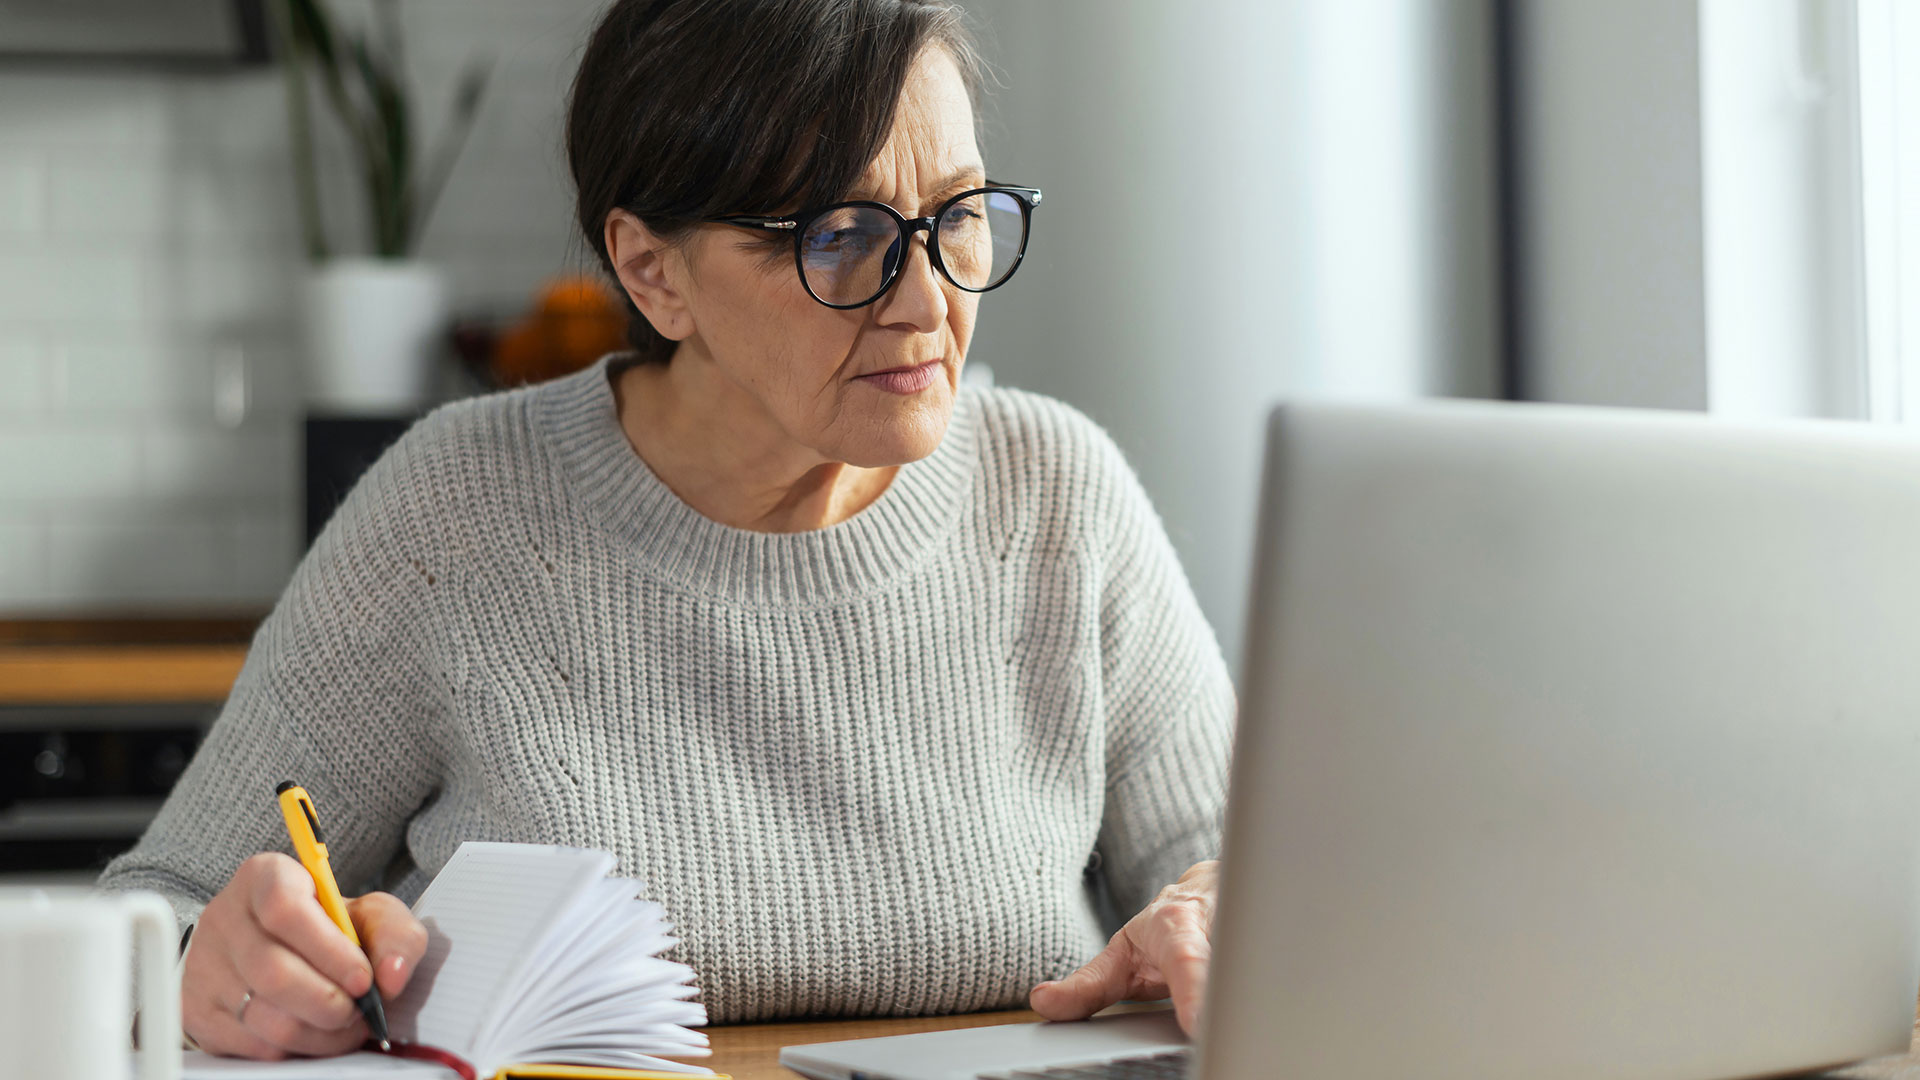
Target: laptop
point(1573, 743)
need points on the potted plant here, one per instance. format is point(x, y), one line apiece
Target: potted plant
point(375, 319)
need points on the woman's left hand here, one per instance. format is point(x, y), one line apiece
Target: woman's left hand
point(1161, 952)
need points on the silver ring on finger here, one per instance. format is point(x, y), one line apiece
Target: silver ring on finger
point(240, 1010)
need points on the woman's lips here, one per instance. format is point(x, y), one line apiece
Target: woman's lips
point(904, 381)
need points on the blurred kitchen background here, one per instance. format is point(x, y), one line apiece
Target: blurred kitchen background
point(1694, 204)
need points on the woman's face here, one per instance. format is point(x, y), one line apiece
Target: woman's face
point(809, 367)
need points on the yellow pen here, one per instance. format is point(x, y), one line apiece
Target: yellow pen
point(303, 827)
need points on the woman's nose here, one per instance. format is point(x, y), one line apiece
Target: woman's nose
point(916, 299)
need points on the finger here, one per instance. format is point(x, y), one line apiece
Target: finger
point(1098, 984)
point(210, 994)
point(276, 974)
point(1181, 951)
point(220, 1032)
point(281, 1028)
point(283, 904)
point(395, 940)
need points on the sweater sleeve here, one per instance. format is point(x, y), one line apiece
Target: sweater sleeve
point(1169, 700)
point(340, 692)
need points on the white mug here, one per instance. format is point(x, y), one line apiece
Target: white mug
point(66, 974)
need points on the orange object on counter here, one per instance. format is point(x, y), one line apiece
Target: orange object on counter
point(578, 320)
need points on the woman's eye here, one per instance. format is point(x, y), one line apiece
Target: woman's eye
point(842, 241)
point(963, 218)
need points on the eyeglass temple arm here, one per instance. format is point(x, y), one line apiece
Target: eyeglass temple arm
point(779, 223)
point(1031, 194)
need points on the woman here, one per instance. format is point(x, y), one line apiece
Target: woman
point(867, 676)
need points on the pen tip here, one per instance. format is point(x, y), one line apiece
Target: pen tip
point(386, 1047)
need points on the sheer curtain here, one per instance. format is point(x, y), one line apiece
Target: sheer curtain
point(1719, 204)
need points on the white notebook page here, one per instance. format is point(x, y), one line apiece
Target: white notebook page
point(484, 913)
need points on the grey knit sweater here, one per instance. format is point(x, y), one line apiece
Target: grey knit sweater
point(876, 768)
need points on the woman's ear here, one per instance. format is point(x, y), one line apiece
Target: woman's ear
point(640, 259)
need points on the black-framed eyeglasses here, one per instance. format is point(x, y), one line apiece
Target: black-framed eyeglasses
point(849, 254)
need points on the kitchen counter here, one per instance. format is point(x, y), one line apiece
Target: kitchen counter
point(98, 718)
point(117, 674)
point(124, 662)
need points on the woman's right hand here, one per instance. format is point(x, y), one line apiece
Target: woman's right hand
point(268, 974)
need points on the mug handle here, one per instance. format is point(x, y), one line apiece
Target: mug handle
point(159, 1006)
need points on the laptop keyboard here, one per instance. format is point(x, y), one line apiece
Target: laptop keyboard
point(1169, 1066)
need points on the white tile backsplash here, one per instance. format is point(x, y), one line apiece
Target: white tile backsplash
point(98, 194)
point(23, 378)
point(23, 560)
point(218, 290)
point(51, 282)
point(247, 207)
point(137, 557)
point(75, 108)
point(125, 372)
point(265, 544)
point(55, 464)
point(151, 266)
point(191, 462)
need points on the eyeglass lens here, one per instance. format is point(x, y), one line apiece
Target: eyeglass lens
point(850, 254)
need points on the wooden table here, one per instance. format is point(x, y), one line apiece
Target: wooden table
point(752, 1051)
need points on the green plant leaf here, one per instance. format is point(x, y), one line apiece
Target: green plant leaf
point(313, 28)
point(315, 33)
point(365, 87)
point(460, 117)
point(293, 71)
point(387, 163)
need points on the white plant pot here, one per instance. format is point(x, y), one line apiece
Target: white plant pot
point(375, 329)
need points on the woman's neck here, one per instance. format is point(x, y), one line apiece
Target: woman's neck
point(718, 449)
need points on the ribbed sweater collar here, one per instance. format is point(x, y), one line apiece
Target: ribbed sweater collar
point(680, 545)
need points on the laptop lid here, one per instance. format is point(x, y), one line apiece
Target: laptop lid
point(1574, 743)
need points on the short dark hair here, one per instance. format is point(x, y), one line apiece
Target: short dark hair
point(687, 109)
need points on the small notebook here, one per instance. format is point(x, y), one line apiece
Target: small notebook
point(534, 955)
